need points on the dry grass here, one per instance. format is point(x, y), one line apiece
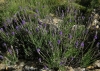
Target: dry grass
point(2, 1)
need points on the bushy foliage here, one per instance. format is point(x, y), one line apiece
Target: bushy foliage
point(51, 45)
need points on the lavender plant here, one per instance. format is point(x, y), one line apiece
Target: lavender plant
point(56, 46)
point(11, 57)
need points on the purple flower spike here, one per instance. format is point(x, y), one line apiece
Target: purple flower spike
point(1, 29)
point(60, 32)
point(50, 44)
point(1, 57)
point(45, 67)
point(95, 37)
point(70, 36)
point(39, 22)
point(17, 27)
point(23, 22)
point(45, 25)
point(72, 58)
point(61, 63)
point(15, 20)
point(76, 44)
point(38, 51)
point(13, 33)
point(17, 51)
point(37, 11)
point(37, 29)
point(40, 60)
point(58, 41)
point(10, 51)
point(82, 44)
point(4, 44)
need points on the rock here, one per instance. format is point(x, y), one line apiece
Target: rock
point(69, 68)
point(49, 24)
point(94, 70)
point(29, 68)
point(5, 67)
point(79, 69)
point(47, 69)
point(94, 67)
point(97, 70)
point(90, 67)
point(77, 27)
point(57, 21)
point(50, 19)
point(22, 64)
point(97, 64)
point(95, 21)
point(2, 66)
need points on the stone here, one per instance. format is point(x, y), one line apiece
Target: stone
point(22, 64)
point(47, 69)
point(79, 69)
point(90, 67)
point(77, 27)
point(49, 24)
point(97, 63)
point(2, 66)
point(94, 70)
point(69, 68)
point(97, 70)
point(50, 19)
point(95, 21)
point(29, 68)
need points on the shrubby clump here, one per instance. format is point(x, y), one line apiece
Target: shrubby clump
point(52, 46)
